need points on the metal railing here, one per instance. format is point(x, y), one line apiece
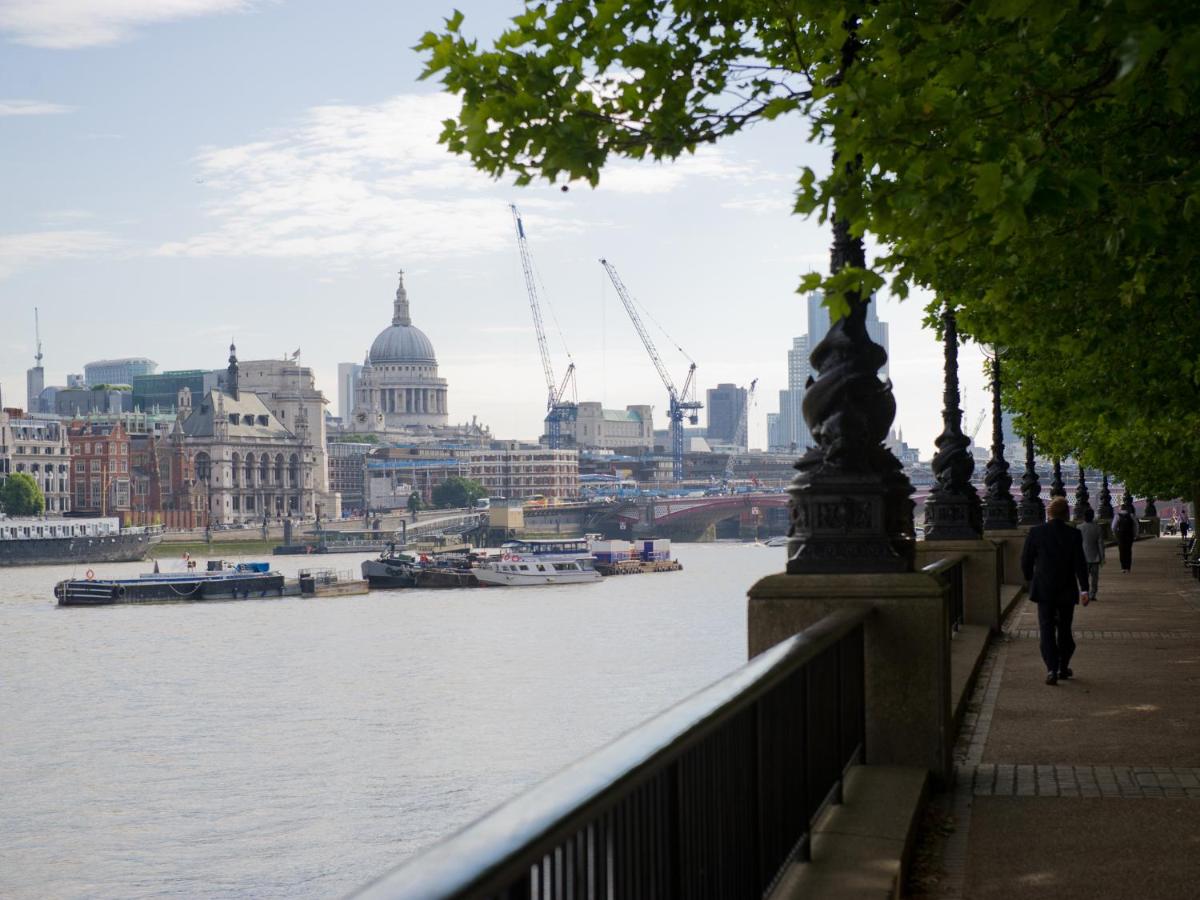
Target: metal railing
point(710, 799)
point(950, 572)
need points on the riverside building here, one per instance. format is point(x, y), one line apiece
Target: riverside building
point(40, 448)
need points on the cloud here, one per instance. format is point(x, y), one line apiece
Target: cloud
point(350, 182)
point(25, 250)
point(32, 107)
point(371, 181)
point(70, 24)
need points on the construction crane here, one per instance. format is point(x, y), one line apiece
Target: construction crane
point(558, 408)
point(682, 404)
point(739, 433)
point(978, 424)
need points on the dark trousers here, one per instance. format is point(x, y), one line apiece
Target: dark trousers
point(1125, 551)
point(1058, 645)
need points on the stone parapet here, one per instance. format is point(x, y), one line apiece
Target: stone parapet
point(981, 576)
point(1012, 542)
point(909, 719)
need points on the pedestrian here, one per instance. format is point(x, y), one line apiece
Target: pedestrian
point(1125, 530)
point(1184, 524)
point(1093, 550)
point(1052, 562)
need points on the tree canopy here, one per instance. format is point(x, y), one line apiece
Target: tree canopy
point(1032, 164)
point(21, 496)
point(457, 491)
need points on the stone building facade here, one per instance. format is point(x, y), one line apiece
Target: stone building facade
point(630, 430)
point(248, 464)
point(40, 448)
point(290, 392)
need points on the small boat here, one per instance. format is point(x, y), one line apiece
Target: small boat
point(779, 540)
point(540, 562)
point(219, 582)
point(402, 569)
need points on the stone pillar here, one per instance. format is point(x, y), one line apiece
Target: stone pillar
point(909, 720)
point(983, 570)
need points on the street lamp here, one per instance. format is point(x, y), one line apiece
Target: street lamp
point(1033, 511)
point(1000, 510)
point(953, 510)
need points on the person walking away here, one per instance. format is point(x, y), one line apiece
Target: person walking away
point(1093, 550)
point(1053, 563)
point(1125, 530)
point(1184, 524)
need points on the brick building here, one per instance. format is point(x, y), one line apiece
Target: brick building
point(101, 469)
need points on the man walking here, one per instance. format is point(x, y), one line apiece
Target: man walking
point(1093, 550)
point(1052, 562)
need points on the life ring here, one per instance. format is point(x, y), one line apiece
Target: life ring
point(506, 556)
point(89, 575)
point(515, 558)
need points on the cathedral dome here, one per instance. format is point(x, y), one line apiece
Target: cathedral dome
point(402, 342)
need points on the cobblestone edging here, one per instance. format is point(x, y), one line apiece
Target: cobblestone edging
point(1090, 635)
point(1116, 782)
point(968, 755)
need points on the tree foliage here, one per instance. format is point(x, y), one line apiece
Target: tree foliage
point(1034, 164)
point(457, 491)
point(20, 495)
point(414, 503)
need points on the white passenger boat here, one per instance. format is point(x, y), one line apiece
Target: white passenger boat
point(540, 562)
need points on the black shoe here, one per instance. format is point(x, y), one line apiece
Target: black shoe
point(1051, 678)
point(1064, 674)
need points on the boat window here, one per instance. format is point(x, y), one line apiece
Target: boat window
point(541, 568)
point(563, 567)
point(524, 568)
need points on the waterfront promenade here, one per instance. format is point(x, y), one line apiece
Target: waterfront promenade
point(1091, 788)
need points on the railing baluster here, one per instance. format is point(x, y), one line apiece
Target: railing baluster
point(715, 809)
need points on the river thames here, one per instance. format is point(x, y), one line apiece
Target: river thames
point(298, 747)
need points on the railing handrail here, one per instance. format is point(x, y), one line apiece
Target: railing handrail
point(938, 566)
point(496, 848)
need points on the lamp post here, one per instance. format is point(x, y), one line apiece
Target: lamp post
point(1081, 496)
point(851, 505)
point(953, 510)
point(1106, 508)
point(1033, 511)
point(1057, 488)
point(1000, 510)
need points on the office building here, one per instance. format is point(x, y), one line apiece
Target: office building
point(726, 408)
point(118, 371)
point(347, 389)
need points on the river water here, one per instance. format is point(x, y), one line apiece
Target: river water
point(299, 747)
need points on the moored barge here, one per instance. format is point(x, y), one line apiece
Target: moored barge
point(37, 541)
point(243, 581)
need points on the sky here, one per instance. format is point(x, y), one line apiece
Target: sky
point(175, 174)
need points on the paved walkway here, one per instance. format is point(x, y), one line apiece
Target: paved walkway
point(1090, 789)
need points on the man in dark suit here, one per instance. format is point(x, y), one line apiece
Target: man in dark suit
point(1053, 564)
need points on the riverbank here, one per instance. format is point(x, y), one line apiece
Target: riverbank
point(217, 550)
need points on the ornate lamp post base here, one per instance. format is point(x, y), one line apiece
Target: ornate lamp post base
point(953, 517)
point(840, 524)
